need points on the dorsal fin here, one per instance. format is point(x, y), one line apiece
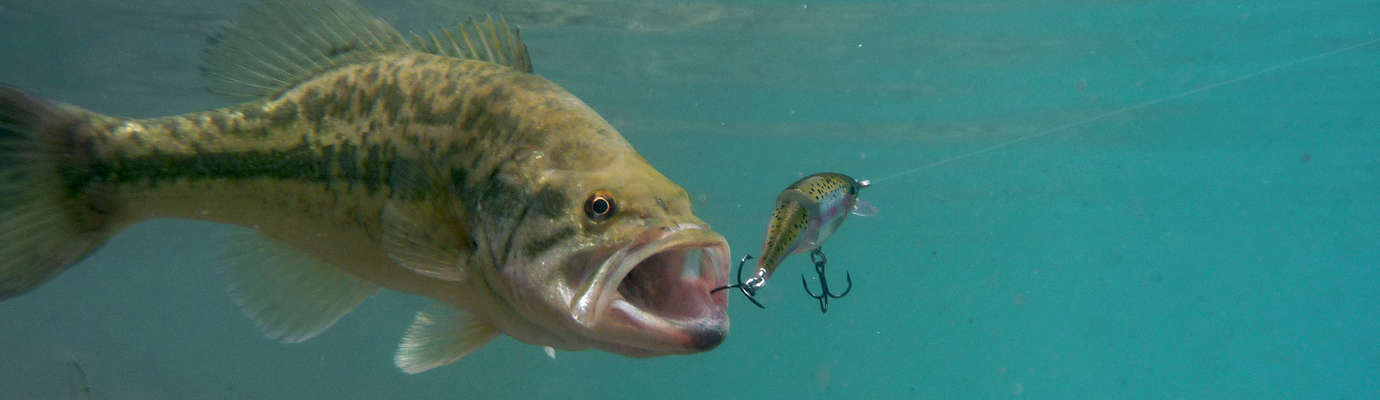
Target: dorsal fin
point(280, 43)
point(487, 40)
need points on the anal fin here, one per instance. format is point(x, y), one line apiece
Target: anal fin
point(441, 335)
point(291, 295)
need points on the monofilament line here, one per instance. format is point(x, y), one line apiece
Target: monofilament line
point(1127, 109)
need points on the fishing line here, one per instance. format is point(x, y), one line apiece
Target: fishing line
point(1127, 109)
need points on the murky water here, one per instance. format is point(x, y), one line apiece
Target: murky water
point(1209, 241)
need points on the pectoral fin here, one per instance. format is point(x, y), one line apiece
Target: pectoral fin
point(864, 209)
point(422, 229)
point(440, 335)
point(291, 295)
point(424, 239)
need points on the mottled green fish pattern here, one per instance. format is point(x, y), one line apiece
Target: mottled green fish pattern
point(439, 165)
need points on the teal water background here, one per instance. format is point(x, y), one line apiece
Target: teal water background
point(1221, 244)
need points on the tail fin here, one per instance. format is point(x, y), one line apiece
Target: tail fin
point(47, 223)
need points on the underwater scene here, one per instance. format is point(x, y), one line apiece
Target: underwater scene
point(1049, 200)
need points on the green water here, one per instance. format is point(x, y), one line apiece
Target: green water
point(1213, 243)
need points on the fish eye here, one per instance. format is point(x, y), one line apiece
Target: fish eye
point(600, 205)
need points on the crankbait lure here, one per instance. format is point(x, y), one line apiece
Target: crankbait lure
point(807, 213)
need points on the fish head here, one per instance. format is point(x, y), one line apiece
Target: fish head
point(609, 255)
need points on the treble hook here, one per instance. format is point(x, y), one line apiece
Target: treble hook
point(820, 260)
point(749, 289)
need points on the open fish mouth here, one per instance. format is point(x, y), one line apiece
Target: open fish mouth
point(655, 299)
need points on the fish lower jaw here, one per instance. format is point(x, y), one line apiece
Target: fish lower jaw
point(658, 336)
point(663, 305)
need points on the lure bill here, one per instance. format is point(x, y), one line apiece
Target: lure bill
point(807, 213)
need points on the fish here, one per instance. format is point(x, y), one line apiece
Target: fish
point(438, 165)
point(807, 212)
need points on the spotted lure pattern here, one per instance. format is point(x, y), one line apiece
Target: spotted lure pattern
point(807, 212)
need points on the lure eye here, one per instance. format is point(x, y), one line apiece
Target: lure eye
point(600, 205)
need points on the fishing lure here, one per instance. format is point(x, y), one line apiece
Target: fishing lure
point(807, 213)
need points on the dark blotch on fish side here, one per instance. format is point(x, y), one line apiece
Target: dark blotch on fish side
point(459, 179)
point(392, 98)
point(447, 116)
point(313, 107)
point(538, 246)
point(347, 164)
point(499, 197)
point(284, 114)
point(374, 167)
point(221, 122)
point(549, 203)
point(340, 100)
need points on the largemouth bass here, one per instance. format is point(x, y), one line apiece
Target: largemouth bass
point(439, 166)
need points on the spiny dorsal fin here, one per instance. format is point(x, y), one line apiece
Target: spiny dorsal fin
point(487, 40)
point(280, 43)
point(440, 335)
point(291, 295)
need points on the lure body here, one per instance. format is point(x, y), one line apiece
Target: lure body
point(807, 212)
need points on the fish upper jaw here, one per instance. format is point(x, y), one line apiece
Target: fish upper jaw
point(652, 297)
